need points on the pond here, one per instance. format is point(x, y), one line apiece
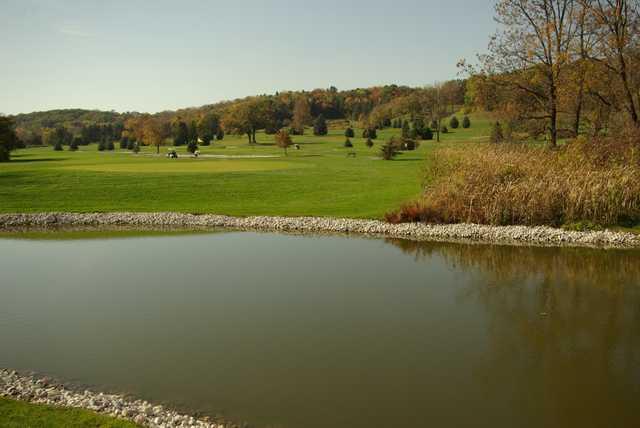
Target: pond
point(289, 331)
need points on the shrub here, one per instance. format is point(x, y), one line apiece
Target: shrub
point(595, 183)
point(131, 144)
point(348, 143)
point(220, 135)
point(73, 145)
point(369, 142)
point(427, 134)
point(206, 141)
point(349, 133)
point(497, 136)
point(466, 122)
point(57, 146)
point(102, 146)
point(390, 149)
point(454, 123)
point(110, 145)
point(192, 146)
point(124, 143)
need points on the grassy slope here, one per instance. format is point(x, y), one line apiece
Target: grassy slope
point(16, 414)
point(318, 180)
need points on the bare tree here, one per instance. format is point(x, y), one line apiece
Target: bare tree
point(531, 54)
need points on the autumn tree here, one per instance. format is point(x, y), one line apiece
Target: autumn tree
point(155, 131)
point(301, 115)
point(616, 24)
point(283, 140)
point(244, 118)
point(208, 125)
point(531, 54)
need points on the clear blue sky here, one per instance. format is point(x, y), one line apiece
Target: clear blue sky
point(156, 55)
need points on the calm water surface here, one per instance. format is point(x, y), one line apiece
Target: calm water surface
point(286, 331)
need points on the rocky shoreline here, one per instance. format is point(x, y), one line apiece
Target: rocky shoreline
point(44, 391)
point(511, 235)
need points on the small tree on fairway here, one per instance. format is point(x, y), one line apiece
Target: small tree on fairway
point(192, 146)
point(466, 122)
point(320, 126)
point(454, 123)
point(389, 150)
point(497, 136)
point(102, 146)
point(124, 143)
point(220, 135)
point(349, 133)
point(369, 142)
point(110, 145)
point(348, 143)
point(57, 146)
point(73, 145)
point(283, 140)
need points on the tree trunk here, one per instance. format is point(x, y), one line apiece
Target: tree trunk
point(157, 148)
point(629, 95)
point(578, 115)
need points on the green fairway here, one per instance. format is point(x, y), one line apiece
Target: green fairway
point(230, 177)
point(17, 414)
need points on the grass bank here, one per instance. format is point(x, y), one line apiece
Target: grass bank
point(318, 180)
point(18, 414)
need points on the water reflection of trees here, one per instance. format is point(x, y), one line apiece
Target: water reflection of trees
point(569, 316)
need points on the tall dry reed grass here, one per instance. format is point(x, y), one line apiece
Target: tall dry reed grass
point(595, 180)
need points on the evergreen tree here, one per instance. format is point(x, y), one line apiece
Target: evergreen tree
point(349, 133)
point(466, 122)
point(320, 126)
point(57, 146)
point(180, 133)
point(454, 123)
point(427, 134)
point(348, 143)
